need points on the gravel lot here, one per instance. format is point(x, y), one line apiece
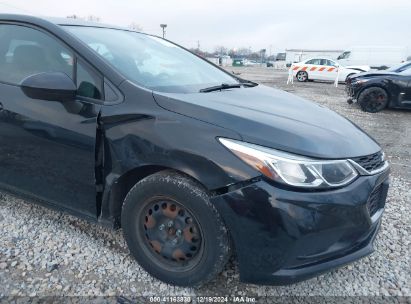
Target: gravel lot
point(46, 253)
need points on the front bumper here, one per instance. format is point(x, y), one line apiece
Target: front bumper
point(352, 90)
point(282, 236)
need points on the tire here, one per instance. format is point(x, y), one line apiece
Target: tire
point(189, 252)
point(373, 99)
point(302, 76)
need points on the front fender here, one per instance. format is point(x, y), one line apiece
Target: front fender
point(142, 137)
point(186, 145)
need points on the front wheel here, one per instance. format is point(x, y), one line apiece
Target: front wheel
point(173, 230)
point(302, 76)
point(373, 99)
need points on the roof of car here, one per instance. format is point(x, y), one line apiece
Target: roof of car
point(327, 58)
point(56, 20)
point(79, 22)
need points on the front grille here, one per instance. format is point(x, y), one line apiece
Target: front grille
point(374, 202)
point(350, 89)
point(371, 162)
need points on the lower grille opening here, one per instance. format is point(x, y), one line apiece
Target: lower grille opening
point(375, 201)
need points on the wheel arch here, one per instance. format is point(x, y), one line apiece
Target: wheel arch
point(115, 194)
point(134, 146)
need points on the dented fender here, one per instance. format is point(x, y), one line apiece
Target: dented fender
point(139, 138)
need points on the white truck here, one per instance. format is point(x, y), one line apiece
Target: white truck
point(377, 57)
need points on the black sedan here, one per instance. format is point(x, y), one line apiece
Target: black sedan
point(375, 91)
point(130, 130)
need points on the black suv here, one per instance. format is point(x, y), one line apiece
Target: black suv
point(193, 163)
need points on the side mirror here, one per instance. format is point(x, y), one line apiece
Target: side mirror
point(53, 86)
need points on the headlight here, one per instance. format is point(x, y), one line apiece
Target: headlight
point(292, 169)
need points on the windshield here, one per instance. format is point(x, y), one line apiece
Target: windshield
point(152, 62)
point(406, 72)
point(400, 67)
point(344, 55)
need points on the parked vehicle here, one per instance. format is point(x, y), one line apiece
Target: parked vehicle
point(375, 91)
point(376, 57)
point(299, 55)
point(238, 62)
point(280, 57)
point(324, 69)
point(248, 62)
point(193, 163)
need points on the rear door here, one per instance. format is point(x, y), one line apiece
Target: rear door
point(47, 148)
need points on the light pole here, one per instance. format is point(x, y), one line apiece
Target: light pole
point(163, 26)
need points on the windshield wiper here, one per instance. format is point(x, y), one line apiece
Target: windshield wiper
point(223, 86)
point(247, 83)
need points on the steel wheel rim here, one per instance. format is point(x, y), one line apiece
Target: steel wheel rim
point(176, 246)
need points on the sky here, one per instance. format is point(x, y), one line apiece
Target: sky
point(260, 24)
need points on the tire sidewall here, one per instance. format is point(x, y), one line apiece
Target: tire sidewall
point(193, 199)
point(364, 103)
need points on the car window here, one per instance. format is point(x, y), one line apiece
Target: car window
point(405, 68)
point(150, 61)
point(399, 67)
point(26, 51)
point(314, 61)
point(406, 72)
point(323, 62)
point(330, 63)
point(344, 55)
point(102, 50)
point(89, 83)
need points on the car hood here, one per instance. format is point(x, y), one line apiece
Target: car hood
point(275, 119)
point(375, 74)
point(364, 68)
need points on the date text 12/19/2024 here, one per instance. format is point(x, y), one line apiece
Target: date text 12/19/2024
point(202, 299)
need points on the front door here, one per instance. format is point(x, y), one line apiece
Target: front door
point(407, 94)
point(47, 148)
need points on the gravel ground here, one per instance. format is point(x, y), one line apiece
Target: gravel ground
point(48, 253)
